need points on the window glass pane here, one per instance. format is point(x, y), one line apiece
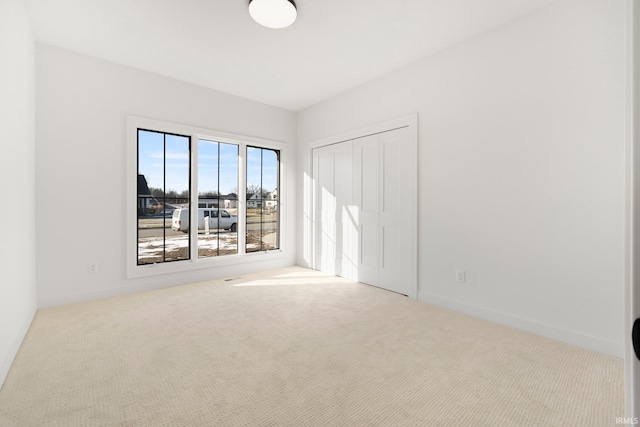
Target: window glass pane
point(150, 197)
point(262, 199)
point(177, 194)
point(270, 209)
point(163, 187)
point(229, 169)
point(218, 183)
point(207, 172)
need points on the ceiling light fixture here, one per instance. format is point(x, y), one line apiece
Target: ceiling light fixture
point(273, 13)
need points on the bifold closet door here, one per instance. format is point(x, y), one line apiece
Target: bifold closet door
point(396, 227)
point(335, 229)
point(364, 197)
point(383, 185)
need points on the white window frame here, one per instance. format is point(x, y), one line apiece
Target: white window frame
point(134, 270)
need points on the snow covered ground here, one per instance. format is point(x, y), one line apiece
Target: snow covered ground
point(150, 248)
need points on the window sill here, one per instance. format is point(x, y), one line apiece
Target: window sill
point(138, 271)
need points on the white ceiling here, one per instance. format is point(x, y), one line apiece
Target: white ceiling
point(334, 45)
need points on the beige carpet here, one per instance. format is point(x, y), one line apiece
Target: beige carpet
point(294, 347)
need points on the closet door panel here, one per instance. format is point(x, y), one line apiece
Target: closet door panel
point(366, 195)
point(325, 211)
point(332, 177)
point(342, 159)
point(395, 212)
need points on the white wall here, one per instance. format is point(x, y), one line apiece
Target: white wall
point(82, 107)
point(632, 230)
point(521, 169)
point(17, 180)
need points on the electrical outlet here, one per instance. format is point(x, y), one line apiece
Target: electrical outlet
point(93, 268)
point(461, 276)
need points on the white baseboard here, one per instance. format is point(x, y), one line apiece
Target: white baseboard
point(76, 297)
point(146, 285)
point(17, 342)
point(570, 337)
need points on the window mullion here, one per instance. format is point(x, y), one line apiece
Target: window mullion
point(242, 199)
point(262, 201)
point(278, 200)
point(164, 201)
point(218, 204)
point(193, 199)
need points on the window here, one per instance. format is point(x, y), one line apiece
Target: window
point(263, 205)
point(179, 167)
point(218, 188)
point(163, 187)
